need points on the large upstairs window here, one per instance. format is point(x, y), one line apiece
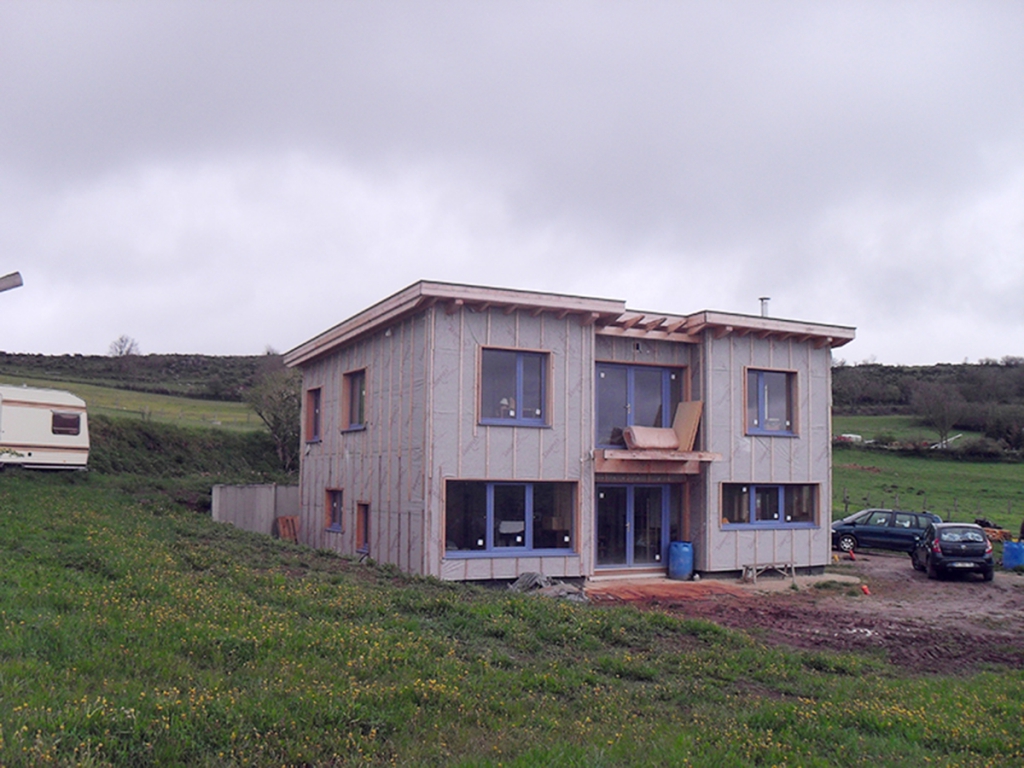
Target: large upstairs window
point(770, 402)
point(634, 395)
point(513, 387)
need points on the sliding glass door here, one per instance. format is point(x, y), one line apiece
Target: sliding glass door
point(632, 525)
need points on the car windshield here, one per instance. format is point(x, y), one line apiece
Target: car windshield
point(961, 534)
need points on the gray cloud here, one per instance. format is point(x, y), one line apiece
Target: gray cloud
point(215, 177)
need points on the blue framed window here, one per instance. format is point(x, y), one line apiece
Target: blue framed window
point(354, 400)
point(513, 387)
point(770, 397)
point(333, 510)
point(313, 415)
point(634, 395)
point(508, 518)
point(769, 505)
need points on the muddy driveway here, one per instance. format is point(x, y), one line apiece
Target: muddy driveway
point(916, 623)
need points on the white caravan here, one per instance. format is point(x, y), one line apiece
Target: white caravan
point(43, 428)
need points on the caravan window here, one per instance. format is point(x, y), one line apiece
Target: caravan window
point(66, 423)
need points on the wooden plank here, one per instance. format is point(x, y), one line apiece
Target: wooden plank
point(686, 421)
point(653, 455)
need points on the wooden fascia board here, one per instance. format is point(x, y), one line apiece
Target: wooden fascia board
point(763, 327)
point(453, 296)
point(524, 299)
point(379, 314)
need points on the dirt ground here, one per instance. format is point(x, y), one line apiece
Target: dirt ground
point(962, 623)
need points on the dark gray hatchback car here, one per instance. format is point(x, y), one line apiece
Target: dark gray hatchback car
point(946, 548)
point(881, 529)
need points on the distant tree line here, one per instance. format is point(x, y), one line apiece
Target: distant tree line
point(986, 397)
point(209, 377)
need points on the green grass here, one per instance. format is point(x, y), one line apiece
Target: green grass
point(138, 633)
point(183, 411)
point(903, 428)
point(956, 490)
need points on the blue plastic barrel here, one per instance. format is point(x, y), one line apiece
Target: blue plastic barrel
point(1013, 554)
point(680, 560)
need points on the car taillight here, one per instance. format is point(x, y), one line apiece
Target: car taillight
point(988, 547)
point(936, 548)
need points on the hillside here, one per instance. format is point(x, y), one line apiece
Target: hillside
point(139, 633)
point(195, 376)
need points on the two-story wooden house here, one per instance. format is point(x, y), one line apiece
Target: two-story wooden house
point(480, 433)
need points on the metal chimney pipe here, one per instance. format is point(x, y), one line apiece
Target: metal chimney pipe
point(764, 305)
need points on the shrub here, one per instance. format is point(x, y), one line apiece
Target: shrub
point(129, 446)
point(982, 448)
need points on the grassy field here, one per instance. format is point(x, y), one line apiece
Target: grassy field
point(957, 490)
point(137, 633)
point(182, 411)
point(904, 428)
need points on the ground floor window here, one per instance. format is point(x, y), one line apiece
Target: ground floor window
point(754, 504)
point(362, 527)
point(508, 517)
point(333, 509)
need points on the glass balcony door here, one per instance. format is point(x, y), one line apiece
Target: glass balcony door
point(632, 525)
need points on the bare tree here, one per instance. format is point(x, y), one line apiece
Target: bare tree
point(276, 397)
point(939, 406)
point(124, 346)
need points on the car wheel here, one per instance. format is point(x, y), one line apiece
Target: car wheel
point(847, 543)
point(989, 574)
point(932, 573)
point(913, 562)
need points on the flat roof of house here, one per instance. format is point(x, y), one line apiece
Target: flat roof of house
point(609, 316)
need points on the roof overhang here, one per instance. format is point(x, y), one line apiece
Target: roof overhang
point(453, 297)
point(608, 316)
point(721, 324)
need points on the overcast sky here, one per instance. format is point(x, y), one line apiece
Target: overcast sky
point(217, 177)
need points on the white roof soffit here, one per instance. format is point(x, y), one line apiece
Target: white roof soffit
point(453, 297)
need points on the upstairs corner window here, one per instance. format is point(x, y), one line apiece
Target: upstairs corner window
point(354, 396)
point(634, 395)
point(770, 402)
point(513, 387)
point(749, 504)
point(485, 517)
point(313, 415)
point(66, 423)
